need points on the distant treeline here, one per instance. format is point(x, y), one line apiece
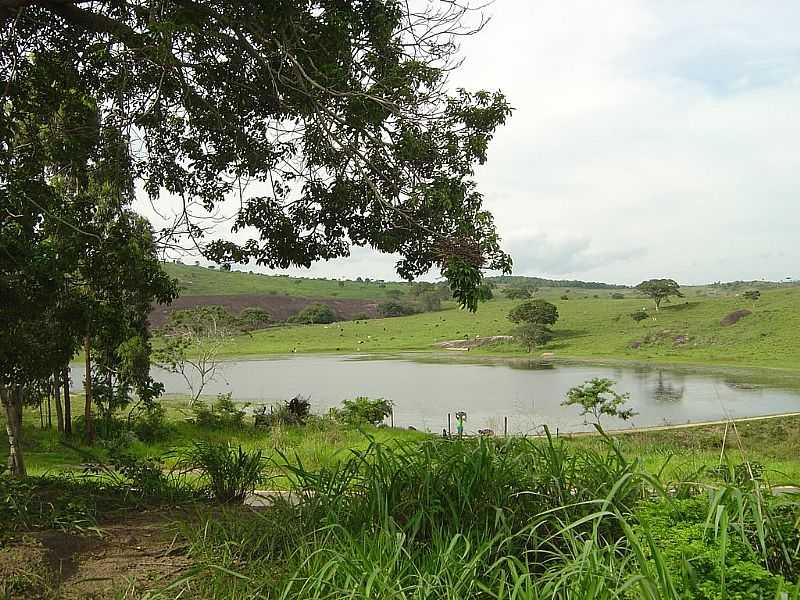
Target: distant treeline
point(519, 280)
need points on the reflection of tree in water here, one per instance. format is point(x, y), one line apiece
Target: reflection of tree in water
point(666, 391)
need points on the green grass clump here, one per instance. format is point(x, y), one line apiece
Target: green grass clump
point(498, 519)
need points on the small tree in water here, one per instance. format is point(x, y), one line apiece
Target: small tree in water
point(597, 397)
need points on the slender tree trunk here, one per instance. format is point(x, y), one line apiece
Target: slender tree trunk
point(12, 403)
point(67, 402)
point(57, 398)
point(49, 404)
point(87, 388)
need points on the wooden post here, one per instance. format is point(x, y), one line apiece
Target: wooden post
point(505, 426)
point(391, 416)
point(449, 432)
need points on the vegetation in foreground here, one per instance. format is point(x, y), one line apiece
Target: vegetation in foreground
point(517, 518)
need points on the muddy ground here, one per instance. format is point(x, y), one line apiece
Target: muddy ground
point(280, 308)
point(119, 560)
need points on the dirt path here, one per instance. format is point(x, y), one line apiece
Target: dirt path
point(140, 552)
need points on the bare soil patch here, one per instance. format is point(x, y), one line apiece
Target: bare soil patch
point(280, 308)
point(734, 317)
point(136, 553)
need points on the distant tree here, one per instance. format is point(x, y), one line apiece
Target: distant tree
point(254, 317)
point(660, 290)
point(317, 313)
point(532, 335)
point(540, 312)
point(485, 292)
point(193, 339)
point(225, 267)
point(639, 315)
point(430, 302)
point(517, 293)
point(753, 295)
point(597, 397)
point(359, 280)
point(341, 284)
point(394, 308)
point(617, 296)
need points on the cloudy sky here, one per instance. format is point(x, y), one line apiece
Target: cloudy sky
point(650, 138)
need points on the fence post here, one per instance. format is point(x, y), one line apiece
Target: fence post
point(449, 432)
point(505, 426)
point(391, 416)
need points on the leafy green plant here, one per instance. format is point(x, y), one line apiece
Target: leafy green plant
point(224, 413)
point(294, 412)
point(597, 397)
point(229, 473)
point(314, 313)
point(363, 410)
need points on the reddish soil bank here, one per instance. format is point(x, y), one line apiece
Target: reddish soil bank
point(280, 308)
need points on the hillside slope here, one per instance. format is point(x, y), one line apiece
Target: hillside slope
point(589, 326)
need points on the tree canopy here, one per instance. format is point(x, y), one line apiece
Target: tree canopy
point(660, 290)
point(331, 124)
point(540, 312)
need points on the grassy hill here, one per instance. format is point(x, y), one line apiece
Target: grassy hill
point(200, 281)
point(590, 325)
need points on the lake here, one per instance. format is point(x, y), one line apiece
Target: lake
point(528, 393)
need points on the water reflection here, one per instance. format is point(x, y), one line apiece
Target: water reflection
point(669, 390)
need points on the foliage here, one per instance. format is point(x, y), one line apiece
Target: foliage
point(337, 73)
point(597, 397)
point(254, 317)
point(532, 335)
point(294, 412)
point(362, 410)
point(752, 295)
point(393, 308)
point(617, 296)
point(230, 473)
point(485, 292)
point(314, 313)
point(517, 293)
point(539, 312)
point(639, 315)
point(224, 413)
point(660, 290)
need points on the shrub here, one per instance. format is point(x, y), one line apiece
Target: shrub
point(151, 424)
point(230, 473)
point(293, 412)
point(517, 293)
point(224, 413)
point(617, 296)
point(597, 397)
point(254, 318)
point(362, 410)
point(314, 314)
point(639, 315)
point(393, 308)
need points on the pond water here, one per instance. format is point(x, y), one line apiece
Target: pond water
point(527, 393)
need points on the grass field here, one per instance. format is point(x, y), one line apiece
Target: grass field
point(589, 327)
point(200, 281)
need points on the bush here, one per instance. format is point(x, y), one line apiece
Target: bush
point(534, 311)
point(617, 296)
point(362, 410)
point(230, 473)
point(151, 424)
point(314, 314)
point(639, 315)
point(293, 412)
point(393, 308)
point(254, 318)
point(223, 414)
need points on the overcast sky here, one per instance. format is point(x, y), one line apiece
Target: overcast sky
point(650, 139)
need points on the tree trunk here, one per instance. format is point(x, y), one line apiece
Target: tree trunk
point(12, 402)
point(57, 398)
point(49, 404)
point(87, 389)
point(67, 402)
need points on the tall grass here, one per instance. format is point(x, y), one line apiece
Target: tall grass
point(513, 519)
